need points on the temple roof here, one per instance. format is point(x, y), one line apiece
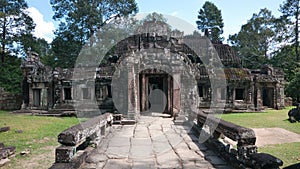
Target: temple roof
point(227, 55)
point(237, 74)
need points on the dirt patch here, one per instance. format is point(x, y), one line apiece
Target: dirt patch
point(271, 136)
point(34, 161)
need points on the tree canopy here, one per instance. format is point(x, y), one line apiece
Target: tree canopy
point(210, 19)
point(79, 22)
point(290, 12)
point(256, 39)
point(15, 23)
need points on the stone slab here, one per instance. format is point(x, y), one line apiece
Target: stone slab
point(271, 136)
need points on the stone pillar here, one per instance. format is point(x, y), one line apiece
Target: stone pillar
point(132, 95)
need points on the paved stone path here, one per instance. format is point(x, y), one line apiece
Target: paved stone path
point(271, 136)
point(154, 142)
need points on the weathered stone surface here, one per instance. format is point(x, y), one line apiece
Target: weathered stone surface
point(78, 133)
point(118, 152)
point(95, 158)
point(264, 161)
point(168, 160)
point(64, 154)
point(141, 151)
point(19, 131)
point(7, 152)
point(4, 129)
point(119, 141)
point(4, 161)
point(25, 152)
point(118, 163)
point(144, 163)
point(294, 114)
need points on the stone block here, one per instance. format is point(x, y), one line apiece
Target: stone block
point(64, 154)
point(4, 129)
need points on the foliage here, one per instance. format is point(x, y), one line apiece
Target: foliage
point(256, 39)
point(290, 10)
point(210, 18)
point(293, 87)
point(14, 23)
point(35, 44)
point(65, 49)
point(80, 21)
point(284, 59)
point(155, 16)
point(11, 75)
point(38, 133)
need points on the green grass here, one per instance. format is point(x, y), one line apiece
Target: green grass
point(290, 152)
point(267, 119)
point(38, 132)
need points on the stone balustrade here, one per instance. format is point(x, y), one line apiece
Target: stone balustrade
point(242, 155)
point(74, 140)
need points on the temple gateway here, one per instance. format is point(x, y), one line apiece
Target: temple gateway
point(148, 72)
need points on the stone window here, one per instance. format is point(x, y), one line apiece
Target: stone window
point(68, 93)
point(85, 93)
point(239, 94)
point(36, 97)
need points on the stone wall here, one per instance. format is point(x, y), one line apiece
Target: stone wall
point(9, 101)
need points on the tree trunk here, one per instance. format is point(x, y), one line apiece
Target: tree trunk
point(297, 31)
point(3, 37)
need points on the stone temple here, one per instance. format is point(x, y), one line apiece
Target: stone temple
point(150, 71)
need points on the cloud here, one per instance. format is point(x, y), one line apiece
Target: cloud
point(43, 28)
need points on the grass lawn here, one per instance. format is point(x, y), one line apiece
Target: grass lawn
point(39, 136)
point(290, 152)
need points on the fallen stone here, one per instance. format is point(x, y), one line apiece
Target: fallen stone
point(7, 152)
point(262, 160)
point(25, 152)
point(4, 129)
point(1, 145)
point(19, 131)
point(3, 162)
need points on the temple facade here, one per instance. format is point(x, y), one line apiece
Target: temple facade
point(152, 72)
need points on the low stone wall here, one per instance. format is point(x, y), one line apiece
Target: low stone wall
point(9, 101)
point(74, 140)
point(245, 154)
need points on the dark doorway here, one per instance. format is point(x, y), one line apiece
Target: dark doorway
point(68, 93)
point(268, 97)
point(36, 97)
point(155, 93)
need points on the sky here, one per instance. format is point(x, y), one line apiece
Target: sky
point(235, 13)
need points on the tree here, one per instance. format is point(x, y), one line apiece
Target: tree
point(290, 11)
point(293, 87)
point(210, 19)
point(284, 59)
point(14, 23)
point(81, 19)
point(256, 39)
point(65, 49)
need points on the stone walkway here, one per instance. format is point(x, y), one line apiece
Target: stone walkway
point(272, 136)
point(154, 142)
